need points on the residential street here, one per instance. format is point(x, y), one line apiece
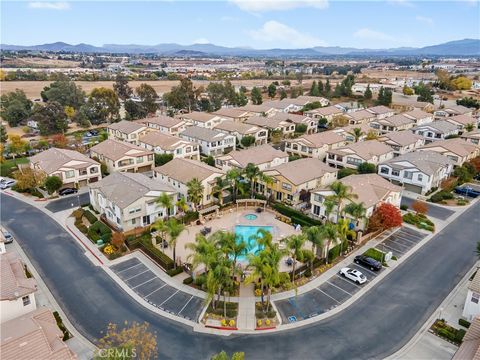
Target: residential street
point(377, 325)
point(435, 211)
point(68, 202)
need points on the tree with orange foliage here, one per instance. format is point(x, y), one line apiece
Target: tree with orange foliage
point(476, 163)
point(385, 216)
point(118, 240)
point(60, 141)
point(420, 207)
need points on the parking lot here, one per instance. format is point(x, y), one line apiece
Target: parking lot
point(338, 289)
point(154, 290)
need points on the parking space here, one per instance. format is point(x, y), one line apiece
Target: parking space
point(325, 297)
point(401, 241)
point(154, 290)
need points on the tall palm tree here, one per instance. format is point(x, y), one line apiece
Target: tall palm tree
point(195, 192)
point(294, 245)
point(329, 232)
point(329, 205)
point(165, 201)
point(357, 133)
point(159, 225)
point(204, 251)
point(233, 178)
point(174, 229)
point(271, 270)
point(252, 173)
point(343, 231)
point(230, 246)
point(356, 210)
point(217, 189)
point(341, 192)
point(182, 205)
point(256, 263)
point(469, 127)
point(314, 235)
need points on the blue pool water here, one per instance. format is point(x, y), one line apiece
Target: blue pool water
point(251, 217)
point(244, 233)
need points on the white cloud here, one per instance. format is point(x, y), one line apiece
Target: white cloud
point(405, 3)
point(366, 33)
point(274, 31)
point(201, 41)
point(424, 19)
point(278, 5)
point(49, 5)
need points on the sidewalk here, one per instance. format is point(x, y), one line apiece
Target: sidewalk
point(246, 307)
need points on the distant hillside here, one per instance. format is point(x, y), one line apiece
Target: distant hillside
point(466, 47)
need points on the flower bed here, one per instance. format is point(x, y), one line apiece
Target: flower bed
point(420, 221)
point(265, 320)
point(443, 330)
point(215, 317)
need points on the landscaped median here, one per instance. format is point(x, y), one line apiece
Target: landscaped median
point(421, 221)
point(377, 255)
point(221, 315)
point(265, 316)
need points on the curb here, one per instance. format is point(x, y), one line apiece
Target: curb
point(84, 245)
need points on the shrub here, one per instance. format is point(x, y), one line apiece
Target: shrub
point(90, 217)
point(77, 214)
point(53, 184)
point(189, 217)
point(334, 252)
point(440, 196)
point(271, 314)
point(404, 207)
point(200, 280)
point(260, 315)
point(162, 159)
point(308, 272)
point(384, 217)
point(420, 207)
point(296, 216)
point(61, 326)
point(267, 322)
point(375, 254)
point(159, 257)
point(367, 168)
point(83, 229)
point(346, 172)
point(176, 271)
point(259, 322)
point(188, 280)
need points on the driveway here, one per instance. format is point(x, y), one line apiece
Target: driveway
point(435, 211)
point(68, 202)
point(377, 325)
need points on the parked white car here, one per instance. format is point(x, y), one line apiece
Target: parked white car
point(354, 275)
point(7, 183)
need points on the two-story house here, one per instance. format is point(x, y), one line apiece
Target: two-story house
point(127, 131)
point(371, 190)
point(258, 110)
point(241, 130)
point(462, 121)
point(348, 132)
point(352, 155)
point(360, 117)
point(328, 113)
point(435, 131)
point(211, 142)
point(453, 110)
point(273, 124)
point(402, 142)
point(472, 137)
point(455, 149)
point(165, 124)
point(263, 156)
point(293, 181)
point(122, 156)
point(419, 116)
point(233, 114)
point(201, 119)
point(417, 171)
point(314, 145)
point(381, 111)
point(471, 308)
point(310, 123)
point(179, 172)
point(393, 123)
point(161, 143)
point(128, 201)
point(73, 168)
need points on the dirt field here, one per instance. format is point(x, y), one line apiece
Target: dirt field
point(33, 88)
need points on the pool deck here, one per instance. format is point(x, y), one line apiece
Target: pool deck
point(227, 222)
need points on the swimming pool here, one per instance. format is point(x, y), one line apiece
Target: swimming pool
point(250, 217)
point(244, 233)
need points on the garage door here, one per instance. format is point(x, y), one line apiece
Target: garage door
point(144, 168)
point(413, 188)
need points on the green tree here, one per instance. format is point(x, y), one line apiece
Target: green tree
point(384, 97)
point(407, 90)
point(469, 102)
point(65, 92)
point(357, 211)
point(148, 98)
point(253, 173)
point(51, 118)
point(162, 159)
point(216, 94)
point(209, 160)
point(166, 202)
point(102, 106)
point(174, 229)
point(223, 356)
point(233, 178)
point(3, 134)
point(283, 94)
point(314, 91)
point(182, 205)
point(294, 244)
point(121, 87)
point(272, 90)
point(15, 107)
point(256, 96)
point(182, 96)
point(346, 172)
point(247, 140)
point(328, 89)
point(367, 168)
point(195, 192)
point(424, 93)
point(134, 110)
point(367, 95)
point(17, 146)
point(357, 133)
point(329, 232)
point(301, 128)
point(341, 192)
point(314, 236)
point(53, 184)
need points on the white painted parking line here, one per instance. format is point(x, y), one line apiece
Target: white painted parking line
point(136, 275)
point(184, 306)
point(413, 233)
point(348, 281)
point(405, 234)
point(144, 282)
point(389, 247)
point(395, 243)
point(154, 291)
point(405, 239)
point(324, 293)
point(131, 267)
point(169, 297)
point(364, 268)
point(339, 288)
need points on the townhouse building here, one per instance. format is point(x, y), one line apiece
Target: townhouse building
point(352, 155)
point(201, 119)
point(233, 114)
point(463, 121)
point(360, 117)
point(402, 142)
point(161, 143)
point(328, 113)
point(263, 156)
point(393, 123)
point(165, 124)
point(419, 116)
point(241, 130)
point(455, 149)
point(453, 110)
point(127, 131)
point(435, 131)
point(314, 145)
point(381, 111)
point(211, 142)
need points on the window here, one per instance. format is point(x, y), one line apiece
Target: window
point(26, 300)
point(69, 174)
point(475, 298)
point(289, 197)
point(395, 173)
point(139, 159)
point(150, 157)
point(286, 186)
point(318, 197)
point(420, 177)
point(454, 158)
point(93, 170)
point(408, 175)
point(134, 221)
point(353, 161)
point(385, 170)
point(316, 210)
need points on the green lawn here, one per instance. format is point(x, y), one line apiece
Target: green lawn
point(9, 166)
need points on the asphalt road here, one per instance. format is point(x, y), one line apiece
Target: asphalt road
point(377, 325)
point(68, 202)
point(435, 211)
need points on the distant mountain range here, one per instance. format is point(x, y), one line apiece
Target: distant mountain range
point(466, 47)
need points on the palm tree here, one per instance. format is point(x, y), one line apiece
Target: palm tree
point(271, 272)
point(252, 173)
point(182, 206)
point(341, 192)
point(329, 232)
point(159, 225)
point(357, 133)
point(204, 251)
point(314, 235)
point(174, 229)
point(256, 263)
point(356, 210)
point(343, 231)
point(294, 245)
point(230, 246)
point(233, 178)
point(195, 192)
point(329, 205)
point(165, 201)
point(469, 127)
point(217, 189)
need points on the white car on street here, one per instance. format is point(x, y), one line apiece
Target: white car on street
point(354, 275)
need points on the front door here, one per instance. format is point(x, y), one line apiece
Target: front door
point(146, 220)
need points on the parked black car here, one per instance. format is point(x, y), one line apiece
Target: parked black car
point(67, 191)
point(368, 262)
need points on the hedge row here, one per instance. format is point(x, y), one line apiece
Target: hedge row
point(99, 231)
point(90, 217)
point(146, 245)
point(296, 216)
point(440, 196)
point(334, 252)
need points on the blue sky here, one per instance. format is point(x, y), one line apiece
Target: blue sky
point(258, 24)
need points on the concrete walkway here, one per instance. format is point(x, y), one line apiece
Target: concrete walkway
point(246, 307)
